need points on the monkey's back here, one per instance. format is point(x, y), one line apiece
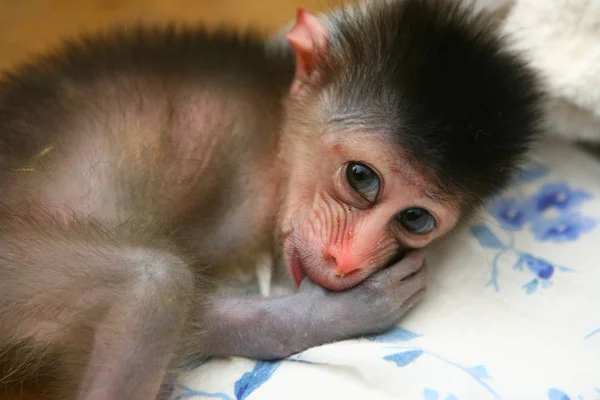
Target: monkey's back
point(136, 123)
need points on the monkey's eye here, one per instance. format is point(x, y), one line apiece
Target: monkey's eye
point(417, 220)
point(363, 179)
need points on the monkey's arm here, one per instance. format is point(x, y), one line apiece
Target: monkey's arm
point(277, 327)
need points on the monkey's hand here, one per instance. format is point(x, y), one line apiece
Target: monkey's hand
point(277, 327)
point(373, 306)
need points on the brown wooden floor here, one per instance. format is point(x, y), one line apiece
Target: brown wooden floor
point(29, 26)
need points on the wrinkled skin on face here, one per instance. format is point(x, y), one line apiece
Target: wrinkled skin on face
point(350, 189)
point(336, 237)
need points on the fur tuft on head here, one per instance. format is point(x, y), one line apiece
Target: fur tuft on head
point(439, 81)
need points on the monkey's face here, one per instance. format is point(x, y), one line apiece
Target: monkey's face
point(353, 206)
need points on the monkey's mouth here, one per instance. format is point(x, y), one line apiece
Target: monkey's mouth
point(296, 267)
point(322, 275)
point(303, 263)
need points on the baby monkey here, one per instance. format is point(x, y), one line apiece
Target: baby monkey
point(137, 165)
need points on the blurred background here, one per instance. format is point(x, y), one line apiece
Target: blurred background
point(30, 26)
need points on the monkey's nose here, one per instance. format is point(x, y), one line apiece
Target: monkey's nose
point(345, 262)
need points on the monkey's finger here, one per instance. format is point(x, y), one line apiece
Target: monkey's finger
point(412, 282)
point(408, 266)
point(413, 299)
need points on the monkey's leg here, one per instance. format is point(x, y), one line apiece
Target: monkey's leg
point(111, 313)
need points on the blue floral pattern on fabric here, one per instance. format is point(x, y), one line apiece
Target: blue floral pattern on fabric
point(566, 227)
point(252, 380)
point(410, 354)
point(541, 270)
point(559, 196)
point(432, 394)
point(551, 214)
point(397, 334)
point(515, 212)
point(593, 333)
point(510, 212)
point(557, 394)
point(243, 387)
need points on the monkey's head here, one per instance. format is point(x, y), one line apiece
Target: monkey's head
point(404, 117)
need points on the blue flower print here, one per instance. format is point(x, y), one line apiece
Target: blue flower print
point(254, 379)
point(589, 335)
point(510, 212)
point(555, 394)
point(567, 227)
point(559, 196)
point(432, 394)
point(519, 212)
point(404, 355)
point(541, 268)
point(243, 387)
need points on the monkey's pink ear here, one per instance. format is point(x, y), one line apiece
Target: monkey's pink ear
point(308, 38)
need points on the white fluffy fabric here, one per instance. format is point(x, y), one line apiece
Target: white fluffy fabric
point(561, 39)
